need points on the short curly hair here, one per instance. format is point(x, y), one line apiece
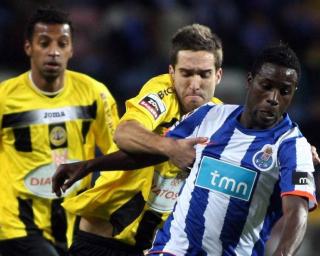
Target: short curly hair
point(281, 55)
point(47, 15)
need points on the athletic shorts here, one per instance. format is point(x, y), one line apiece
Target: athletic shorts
point(29, 245)
point(88, 244)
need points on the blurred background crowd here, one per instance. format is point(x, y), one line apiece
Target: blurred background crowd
point(124, 43)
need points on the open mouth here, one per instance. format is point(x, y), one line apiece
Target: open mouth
point(52, 65)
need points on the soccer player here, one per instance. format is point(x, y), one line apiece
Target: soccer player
point(255, 168)
point(48, 116)
point(120, 213)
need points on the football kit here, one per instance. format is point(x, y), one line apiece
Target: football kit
point(232, 197)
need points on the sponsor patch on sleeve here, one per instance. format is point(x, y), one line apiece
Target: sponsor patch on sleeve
point(153, 104)
point(300, 178)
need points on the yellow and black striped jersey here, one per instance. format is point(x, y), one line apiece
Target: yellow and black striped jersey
point(136, 202)
point(37, 134)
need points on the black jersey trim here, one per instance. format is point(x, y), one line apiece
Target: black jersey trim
point(27, 217)
point(58, 221)
point(22, 139)
point(48, 116)
point(85, 129)
point(147, 228)
point(127, 213)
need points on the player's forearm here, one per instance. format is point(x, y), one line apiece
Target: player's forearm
point(121, 160)
point(294, 228)
point(132, 137)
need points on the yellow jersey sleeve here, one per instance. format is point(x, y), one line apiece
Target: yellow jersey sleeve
point(156, 103)
point(107, 119)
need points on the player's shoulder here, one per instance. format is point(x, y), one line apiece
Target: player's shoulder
point(85, 81)
point(159, 88)
point(217, 105)
point(159, 83)
point(14, 79)
point(80, 77)
point(13, 82)
point(289, 131)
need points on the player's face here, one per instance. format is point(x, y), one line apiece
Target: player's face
point(269, 95)
point(194, 78)
point(50, 49)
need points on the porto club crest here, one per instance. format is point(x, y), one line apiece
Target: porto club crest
point(264, 159)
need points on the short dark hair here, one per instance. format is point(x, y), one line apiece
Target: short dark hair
point(281, 55)
point(196, 37)
point(47, 15)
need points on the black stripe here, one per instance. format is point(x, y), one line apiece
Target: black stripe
point(85, 129)
point(27, 217)
point(45, 116)
point(147, 228)
point(22, 139)
point(58, 221)
point(127, 213)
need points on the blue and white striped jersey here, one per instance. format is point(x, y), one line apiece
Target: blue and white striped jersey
point(232, 197)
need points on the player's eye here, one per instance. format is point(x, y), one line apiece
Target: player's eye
point(44, 44)
point(206, 74)
point(186, 73)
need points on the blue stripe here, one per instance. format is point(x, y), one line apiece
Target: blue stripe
point(274, 213)
point(287, 158)
point(186, 127)
point(195, 220)
point(163, 235)
point(283, 126)
point(238, 209)
point(221, 137)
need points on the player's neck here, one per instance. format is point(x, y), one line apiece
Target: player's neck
point(46, 86)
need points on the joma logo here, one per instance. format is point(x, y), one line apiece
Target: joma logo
point(54, 114)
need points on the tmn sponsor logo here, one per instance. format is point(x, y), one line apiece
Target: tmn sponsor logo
point(228, 184)
point(226, 178)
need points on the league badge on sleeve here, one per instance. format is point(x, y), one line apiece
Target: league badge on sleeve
point(264, 159)
point(153, 104)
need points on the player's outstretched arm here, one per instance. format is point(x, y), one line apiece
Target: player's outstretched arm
point(132, 137)
point(67, 174)
point(295, 215)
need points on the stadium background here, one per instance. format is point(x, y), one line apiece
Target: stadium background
point(124, 43)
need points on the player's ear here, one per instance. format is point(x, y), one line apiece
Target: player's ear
point(71, 52)
point(27, 47)
point(171, 72)
point(219, 74)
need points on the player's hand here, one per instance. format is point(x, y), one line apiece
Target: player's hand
point(66, 175)
point(315, 156)
point(182, 153)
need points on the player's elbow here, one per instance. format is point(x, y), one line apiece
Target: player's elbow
point(118, 134)
point(122, 134)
